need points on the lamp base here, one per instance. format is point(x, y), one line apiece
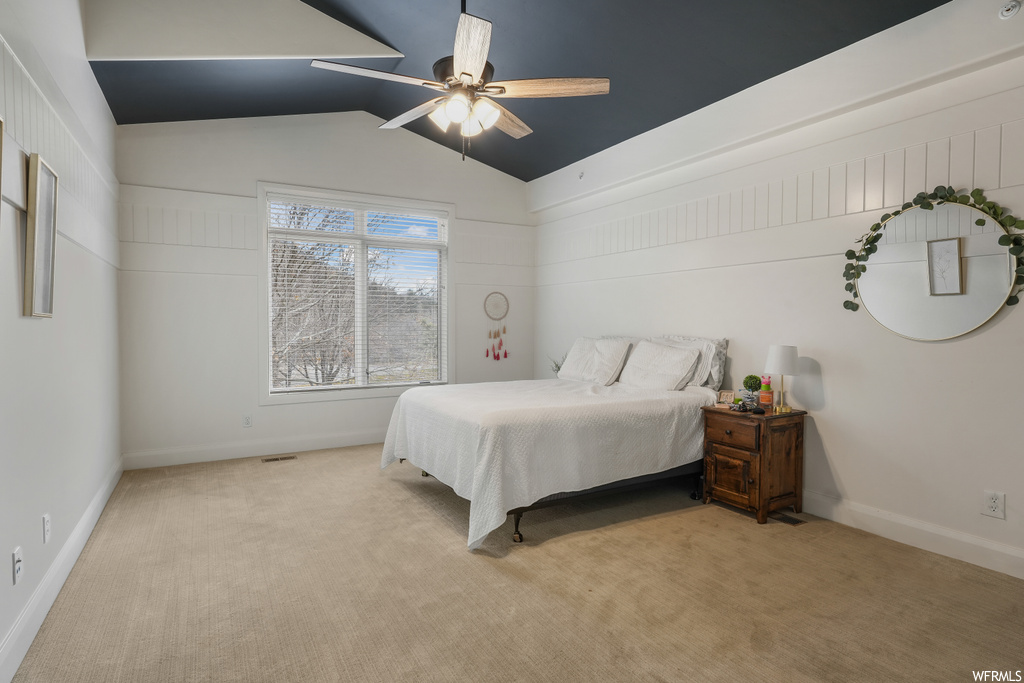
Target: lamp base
point(783, 409)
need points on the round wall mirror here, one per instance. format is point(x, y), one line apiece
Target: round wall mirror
point(937, 274)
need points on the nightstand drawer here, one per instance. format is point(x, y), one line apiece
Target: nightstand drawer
point(737, 433)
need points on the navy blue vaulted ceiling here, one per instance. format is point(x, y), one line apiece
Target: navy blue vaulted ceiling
point(665, 59)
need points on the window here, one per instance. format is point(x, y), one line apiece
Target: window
point(355, 293)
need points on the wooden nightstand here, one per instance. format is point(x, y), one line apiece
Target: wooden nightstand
point(755, 462)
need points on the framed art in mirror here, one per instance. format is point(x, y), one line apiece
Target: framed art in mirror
point(40, 238)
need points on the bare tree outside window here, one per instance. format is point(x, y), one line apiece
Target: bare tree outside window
point(345, 312)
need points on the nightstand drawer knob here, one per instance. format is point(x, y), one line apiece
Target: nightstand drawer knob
point(728, 431)
point(750, 481)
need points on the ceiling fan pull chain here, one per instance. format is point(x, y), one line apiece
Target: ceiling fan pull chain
point(463, 148)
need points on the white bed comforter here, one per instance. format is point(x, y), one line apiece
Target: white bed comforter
point(504, 445)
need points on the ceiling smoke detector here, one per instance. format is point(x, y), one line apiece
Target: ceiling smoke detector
point(1009, 9)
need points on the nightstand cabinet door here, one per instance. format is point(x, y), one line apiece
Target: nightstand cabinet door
point(755, 462)
point(731, 475)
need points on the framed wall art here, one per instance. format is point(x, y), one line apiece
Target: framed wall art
point(40, 238)
point(944, 267)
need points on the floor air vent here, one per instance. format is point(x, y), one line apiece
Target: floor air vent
point(792, 521)
point(279, 459)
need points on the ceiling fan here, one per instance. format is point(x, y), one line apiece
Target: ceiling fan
point(468, 93)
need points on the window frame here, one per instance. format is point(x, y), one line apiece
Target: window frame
point(358, 202)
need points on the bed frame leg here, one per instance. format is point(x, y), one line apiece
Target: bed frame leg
point(516, 536)
point(697, 493)
point(401, 460)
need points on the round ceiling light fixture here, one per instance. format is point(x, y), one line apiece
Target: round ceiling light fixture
point(1009, 9)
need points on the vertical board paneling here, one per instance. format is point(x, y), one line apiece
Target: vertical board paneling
point(723, 214)
point(915, 172)
point(896, 170)
point(821, 190)
point(125, 223)
point(837, 190)
point(1012, 154)
point(141, 230)
point(224, 225)
point(156, 225)
point(874, 182)
point(961, 161)
point(184, 220)
point(774, 203)
point(789, 200)
point(3, 86)
point(170, 221)
point(804, 196)
point(761, 206)
point(987, 158)
point(212, 229)
point(987, 143)
point(238, 232)
point(749, 206)
point(198, 222)
point(702, 218)
point(736, 211)
point(713, 219)
point(937, 164)
point(672, 224)
point(855, 186)
point(691, 221)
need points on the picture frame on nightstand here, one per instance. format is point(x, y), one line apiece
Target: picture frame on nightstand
point(726, 396)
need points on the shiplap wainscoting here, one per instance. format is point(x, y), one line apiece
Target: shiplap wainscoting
point(59, 430)
point(989, 158)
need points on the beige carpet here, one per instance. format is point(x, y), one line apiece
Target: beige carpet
point(324, 568)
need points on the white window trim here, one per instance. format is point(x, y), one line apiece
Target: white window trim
point(263, 286)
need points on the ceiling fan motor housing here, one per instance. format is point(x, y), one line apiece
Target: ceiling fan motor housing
point(443, 70)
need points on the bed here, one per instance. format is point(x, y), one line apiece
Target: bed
point(504, 446)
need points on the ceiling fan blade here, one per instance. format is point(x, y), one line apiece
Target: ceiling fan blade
point(511, 124)
point(550, 87)
point(373, 73)
point(472, 42)
point(413, 114)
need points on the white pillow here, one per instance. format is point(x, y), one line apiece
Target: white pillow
point(659, 367)
point(595, 360)
point(710, 371)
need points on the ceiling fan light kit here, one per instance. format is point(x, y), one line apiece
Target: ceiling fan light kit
point(464, 79)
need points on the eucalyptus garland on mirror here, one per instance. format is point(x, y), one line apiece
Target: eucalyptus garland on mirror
point(1013, 227)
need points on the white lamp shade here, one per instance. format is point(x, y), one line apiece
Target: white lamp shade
point(471, 127)
point(782, 360)
point(440, 118)
point(485, 112)
point(457, 107)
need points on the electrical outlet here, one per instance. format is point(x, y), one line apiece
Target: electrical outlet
point(16, 564)
point(994, 505)
point(247, 420)
point(46, 528)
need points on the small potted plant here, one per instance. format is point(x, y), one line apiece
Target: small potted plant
point(751, 386)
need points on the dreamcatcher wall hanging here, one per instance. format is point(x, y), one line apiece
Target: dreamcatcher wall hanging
point(496, 308)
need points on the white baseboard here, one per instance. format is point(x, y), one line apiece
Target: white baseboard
point(15, 645)
point(937, 539)
point(248, 449)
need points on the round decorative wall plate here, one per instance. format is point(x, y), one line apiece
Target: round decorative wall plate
point(496, 306)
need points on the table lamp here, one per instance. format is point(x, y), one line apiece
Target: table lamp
point(781, 361)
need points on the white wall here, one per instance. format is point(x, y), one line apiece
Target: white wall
point(748, 244)
point(59, 405)
point(189, 291)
